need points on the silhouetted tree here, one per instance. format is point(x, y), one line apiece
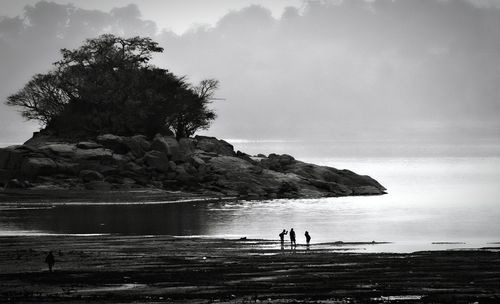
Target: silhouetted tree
point(108, 86)
point(41, 98)
point(194, 113)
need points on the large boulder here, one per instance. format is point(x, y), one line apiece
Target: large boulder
point(366, 190)
point(88, 145)
point(12, 157)
point(187, 146)
point(90, 175)
point(114, 143)
point(246, 157)
point(196, 161)
point(168, 145)
point(59, 149)
point(157, 160)
point(223, 164)
point(41, 139)
point(119, 159)
point(333, 187)
point(93, 154)
point(32, 167)
point(137, 145)
point(338, 180)
point(67, 167)
point(212, 144)
point(132, 166)
point(278, 163)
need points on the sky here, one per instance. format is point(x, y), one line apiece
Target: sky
point(174, 15)
point(315, 70)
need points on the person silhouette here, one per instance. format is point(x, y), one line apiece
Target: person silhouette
point(292, 238)
point(50, 260)
point(282, 237)
point(308, 238)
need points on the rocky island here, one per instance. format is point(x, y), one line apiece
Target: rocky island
point(200, 165)
point(111, 121)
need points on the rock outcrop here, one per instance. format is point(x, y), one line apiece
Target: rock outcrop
point(200, 165)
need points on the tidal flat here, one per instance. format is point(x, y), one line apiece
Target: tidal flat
point(138, 269)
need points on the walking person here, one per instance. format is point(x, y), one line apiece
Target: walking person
point(292, 238)
point(50, 260)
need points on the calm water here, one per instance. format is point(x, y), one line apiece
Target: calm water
point(431, 199)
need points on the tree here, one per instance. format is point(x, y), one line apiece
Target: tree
point(194, 114)
point(108, 86)
point(206, 89)
point(41, 99)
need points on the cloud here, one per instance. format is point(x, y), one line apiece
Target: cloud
point(485, 3)
point(348, 69)
point(330, 69)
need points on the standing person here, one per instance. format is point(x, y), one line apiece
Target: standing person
point(282, 236)
point(292, 238)
point(308, 238)
point(50, 260)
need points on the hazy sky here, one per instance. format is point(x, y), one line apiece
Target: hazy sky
point(175, 15)
point(384, 69)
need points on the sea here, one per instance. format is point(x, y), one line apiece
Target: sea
point(439, 196)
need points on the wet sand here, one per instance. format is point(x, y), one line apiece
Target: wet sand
point(125, 269)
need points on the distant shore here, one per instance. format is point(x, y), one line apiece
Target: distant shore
point(131, 269)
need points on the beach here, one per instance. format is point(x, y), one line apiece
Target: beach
point(137, 269)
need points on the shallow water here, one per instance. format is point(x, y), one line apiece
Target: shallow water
point(453, 202)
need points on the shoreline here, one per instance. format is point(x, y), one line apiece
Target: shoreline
point(130, 269)
point(139, 196)
point(144, 196)
point(123, 197)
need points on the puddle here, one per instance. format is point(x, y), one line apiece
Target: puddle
point(398, 298)
point(109, 288)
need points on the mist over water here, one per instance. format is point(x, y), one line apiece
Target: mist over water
point(431, 198)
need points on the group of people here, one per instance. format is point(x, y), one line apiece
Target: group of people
point(293, 241)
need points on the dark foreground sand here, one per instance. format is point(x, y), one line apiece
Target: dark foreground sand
point(124, 269)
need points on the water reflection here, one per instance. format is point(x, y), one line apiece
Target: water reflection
point(170, 219)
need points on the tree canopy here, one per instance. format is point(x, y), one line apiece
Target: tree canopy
point(108, 86)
